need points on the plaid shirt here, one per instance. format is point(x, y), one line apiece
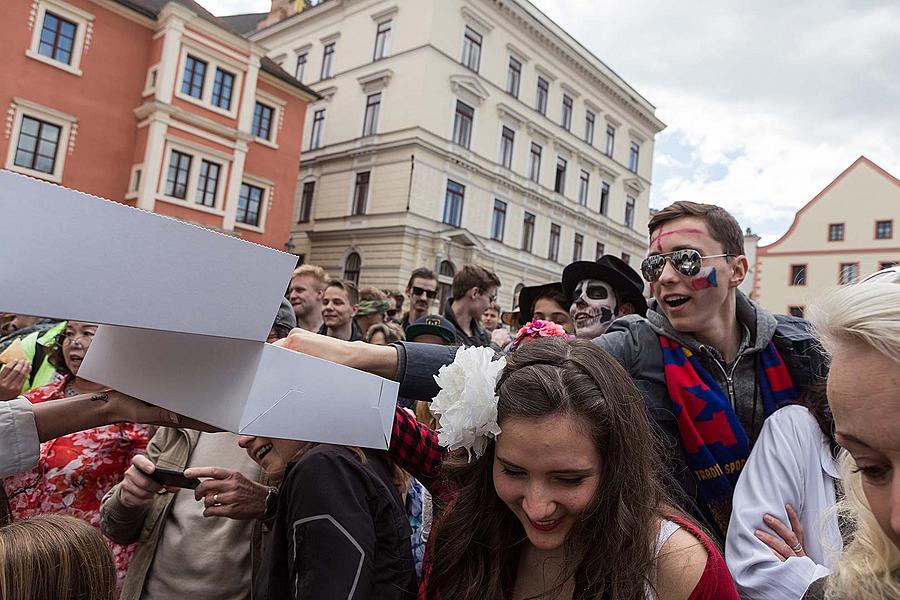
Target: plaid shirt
point(415, 449)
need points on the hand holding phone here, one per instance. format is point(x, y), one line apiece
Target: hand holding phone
point(169, 477)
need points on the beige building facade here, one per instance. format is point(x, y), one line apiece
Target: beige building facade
point(461, 131)
point(843, 234)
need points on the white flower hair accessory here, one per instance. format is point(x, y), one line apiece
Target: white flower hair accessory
point(466, 403)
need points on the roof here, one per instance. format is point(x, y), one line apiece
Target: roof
point(862, 160)
point(152, 8)
point(244, 24)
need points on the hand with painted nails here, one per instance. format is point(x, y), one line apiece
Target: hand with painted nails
point(788, 540)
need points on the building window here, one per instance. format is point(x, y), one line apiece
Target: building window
point(559, 184)
point(37, 145)
point(507, 139)
point(543, 93)
point(629, 211)
point(360, 193)
point(604, 198)
point(471, 54)
point(57, 39)
point(626, 258)
point(553, 251)
point(177, 176)
point(373, 108)
point(262, 121)
point(528, 232)
point(249, 204)
point(534, 163)
point(300, 69)
point(795, 311)
point(589, 121)
point(887, 264)
point(446, 271)
point(352, 267)
point(327, 61)
point(600, 251)
point(462, 124)
point(208, 183)
point(315, 136)
point(194, 74)
point(836, 232)
point(453, 203)
point(584, 182)
point(498, 221)
point(577, 247)
point(633, 157)
point(223, 85)
point(798, 275)
point(382, 40)
point(849, 273)
point(566, 121)
point(884, 230)
point(513, 77)
point(610, 140)
point(306, 199)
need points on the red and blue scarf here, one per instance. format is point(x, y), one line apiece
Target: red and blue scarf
point(713, 438)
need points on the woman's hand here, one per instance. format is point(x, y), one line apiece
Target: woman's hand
point(12, 378)
point(227, 493)
point(789, 540)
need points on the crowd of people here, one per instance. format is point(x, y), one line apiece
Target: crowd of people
point(587, 444)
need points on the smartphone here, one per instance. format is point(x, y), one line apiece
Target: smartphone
point(174, 478)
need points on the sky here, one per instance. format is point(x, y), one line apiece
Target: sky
point(765, 102)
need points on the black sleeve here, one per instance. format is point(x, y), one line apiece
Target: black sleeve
point(418, 364)
point(330, 530)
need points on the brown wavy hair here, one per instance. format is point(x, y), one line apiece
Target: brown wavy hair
point(611, 551)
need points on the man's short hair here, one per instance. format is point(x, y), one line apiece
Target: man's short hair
point(421, 273)
point(348, 286)
point(397, 296)
point(722, 226)
point(314, 271)
point(494, 307)
point(371, 293)
point(473, 276)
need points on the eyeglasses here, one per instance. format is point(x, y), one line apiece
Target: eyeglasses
point(417, 291)
point(493, 297)
point(687, 262)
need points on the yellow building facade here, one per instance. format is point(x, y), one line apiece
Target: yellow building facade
point(843, 234)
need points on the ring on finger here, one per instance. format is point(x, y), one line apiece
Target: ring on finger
point(798, 548)
point(216, 500)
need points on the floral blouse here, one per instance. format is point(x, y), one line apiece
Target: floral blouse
point(75, 471)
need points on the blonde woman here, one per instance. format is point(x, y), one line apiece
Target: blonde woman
point(860, 326)
point(55, 557)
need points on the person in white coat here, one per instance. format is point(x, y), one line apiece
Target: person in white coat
point(783, 533)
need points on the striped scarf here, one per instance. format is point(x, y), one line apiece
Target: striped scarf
point(713, 438)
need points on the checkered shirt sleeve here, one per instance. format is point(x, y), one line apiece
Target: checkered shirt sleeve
point(415, 449)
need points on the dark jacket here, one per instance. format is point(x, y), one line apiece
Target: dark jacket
point(479, 336)
point(634, 341)
point(356, 334)
point(341, 532)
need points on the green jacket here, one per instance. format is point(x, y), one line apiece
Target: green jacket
point(169, 448)
point(42, 373)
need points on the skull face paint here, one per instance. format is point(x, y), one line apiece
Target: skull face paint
point(594, 308)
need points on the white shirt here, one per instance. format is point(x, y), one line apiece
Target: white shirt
point(19, 443)
point(791, 463)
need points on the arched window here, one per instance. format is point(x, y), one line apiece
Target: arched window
point(352, 266)
point(446, 271)
point(516, 291)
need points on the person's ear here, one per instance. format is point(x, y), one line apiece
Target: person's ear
point(740, 266)
point(354, 309)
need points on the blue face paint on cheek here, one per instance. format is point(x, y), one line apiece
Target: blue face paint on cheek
point(705, 279)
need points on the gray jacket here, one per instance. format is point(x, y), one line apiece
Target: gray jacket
point(634, 341)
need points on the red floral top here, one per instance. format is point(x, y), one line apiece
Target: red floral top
point(75, 471)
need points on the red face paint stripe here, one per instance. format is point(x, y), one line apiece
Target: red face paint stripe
point(661, 234)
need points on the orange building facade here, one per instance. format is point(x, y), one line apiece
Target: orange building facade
point(156, 104)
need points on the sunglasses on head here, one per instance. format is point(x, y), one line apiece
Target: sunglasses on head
point(687, 262)
point(417, 291)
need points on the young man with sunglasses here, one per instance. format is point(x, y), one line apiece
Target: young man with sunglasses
point(421, 291)
point(474, 289)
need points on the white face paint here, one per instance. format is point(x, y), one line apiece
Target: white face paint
point(594, 308)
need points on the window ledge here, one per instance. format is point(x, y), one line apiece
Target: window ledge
point(54, 177)
point(190, 204)
point(256, 228)
point(53, 63)
point(265, 142)
point(231, 114)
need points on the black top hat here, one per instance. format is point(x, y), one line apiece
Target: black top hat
point(627, 283)
point(530, 294)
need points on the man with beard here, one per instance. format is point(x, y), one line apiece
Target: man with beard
point(421, 291)
point(601, 292)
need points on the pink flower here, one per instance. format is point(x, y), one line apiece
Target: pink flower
point(535, 330)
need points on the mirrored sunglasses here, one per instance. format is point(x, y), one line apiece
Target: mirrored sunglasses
point(687, 262)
